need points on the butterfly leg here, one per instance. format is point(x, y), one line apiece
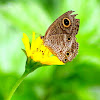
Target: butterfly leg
point(42, 37)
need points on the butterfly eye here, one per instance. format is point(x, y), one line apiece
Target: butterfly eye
point(67, 53)
point(65, 59)
point(66, 22)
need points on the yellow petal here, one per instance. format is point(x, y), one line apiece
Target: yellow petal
point(38, 52)
point(33, 41)
point(52, 61)
point(26, 44)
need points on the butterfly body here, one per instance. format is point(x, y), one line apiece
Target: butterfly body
point(60, 37)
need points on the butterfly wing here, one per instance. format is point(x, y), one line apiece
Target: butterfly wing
point(60, 37)
point(63, 48)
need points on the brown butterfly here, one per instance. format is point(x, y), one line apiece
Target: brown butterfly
point(60, 37)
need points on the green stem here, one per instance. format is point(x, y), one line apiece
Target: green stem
point(16, 85)
point(29, 67)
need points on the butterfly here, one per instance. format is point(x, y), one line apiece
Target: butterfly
point(60, 37)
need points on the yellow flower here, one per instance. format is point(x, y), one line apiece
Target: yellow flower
point(38, 52)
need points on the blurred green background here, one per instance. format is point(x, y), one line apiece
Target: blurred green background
point(77, 80)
